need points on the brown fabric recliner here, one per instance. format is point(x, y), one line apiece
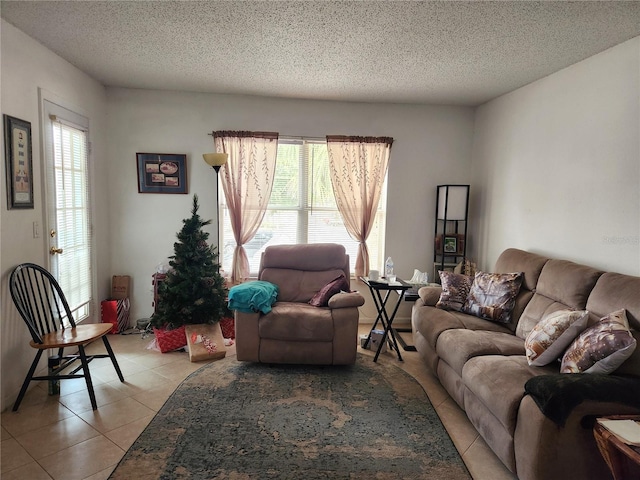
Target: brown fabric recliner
point(294, 331)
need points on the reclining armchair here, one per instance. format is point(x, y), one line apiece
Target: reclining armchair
point(294, 331)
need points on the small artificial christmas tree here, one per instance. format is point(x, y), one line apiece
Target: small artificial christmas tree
point(194, 291)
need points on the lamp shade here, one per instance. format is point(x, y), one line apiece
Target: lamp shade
point(215, 159)
point(452, 201)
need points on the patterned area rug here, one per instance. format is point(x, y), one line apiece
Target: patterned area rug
point(233, 420)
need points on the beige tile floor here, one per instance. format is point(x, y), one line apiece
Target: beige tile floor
point(61, 437)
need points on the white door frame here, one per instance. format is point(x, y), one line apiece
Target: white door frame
point(51, 104)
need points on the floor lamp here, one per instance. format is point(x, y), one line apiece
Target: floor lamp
point(216, 160)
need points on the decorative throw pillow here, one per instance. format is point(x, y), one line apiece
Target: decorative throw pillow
point(601, 348)
point(551, 335)
point(493, 296)
point(337, 285)
point(455, 289)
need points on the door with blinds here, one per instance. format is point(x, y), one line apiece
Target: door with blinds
point(68, 206)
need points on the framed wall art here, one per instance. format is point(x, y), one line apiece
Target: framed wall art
point(17, 146)
point(162, 173)
point(450, 244)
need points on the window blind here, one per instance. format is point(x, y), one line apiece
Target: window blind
point(73, 229)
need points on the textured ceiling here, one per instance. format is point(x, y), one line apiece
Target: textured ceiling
point(461, 53)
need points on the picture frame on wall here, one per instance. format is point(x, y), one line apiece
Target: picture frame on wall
point(162, 173)
point(19, 162)
point(450, 244)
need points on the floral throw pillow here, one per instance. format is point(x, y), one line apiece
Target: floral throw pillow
point(493, 296)
point(550, 337)
point(455, 290)
point(601, 348)
point(337, 285)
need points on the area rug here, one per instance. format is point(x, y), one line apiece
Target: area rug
point(233, 420)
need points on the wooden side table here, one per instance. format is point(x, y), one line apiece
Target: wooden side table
point(623, 459)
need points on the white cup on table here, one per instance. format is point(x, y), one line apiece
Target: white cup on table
point(374, 274)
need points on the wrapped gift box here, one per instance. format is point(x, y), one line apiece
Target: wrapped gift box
point(205, 342)
point(170, 340)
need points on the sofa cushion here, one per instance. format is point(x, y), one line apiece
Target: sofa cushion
point(337, 285)
point(498, 382)
point(493, 295)
point(456, 347)
point(298, 285)
point(552, 335)
point(455, 290)
point(431, 322)
point(530, 264)
point(562, 285)
point(602, 348)
point(614, 291)
point(299, 322)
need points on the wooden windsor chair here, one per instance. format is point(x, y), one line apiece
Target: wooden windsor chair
point(44, 308)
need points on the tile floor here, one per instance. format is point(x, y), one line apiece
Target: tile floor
point(61, 437)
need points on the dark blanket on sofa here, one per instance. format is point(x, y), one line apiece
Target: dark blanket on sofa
point(557, 395)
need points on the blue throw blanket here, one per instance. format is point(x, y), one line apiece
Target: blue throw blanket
point(250, 297)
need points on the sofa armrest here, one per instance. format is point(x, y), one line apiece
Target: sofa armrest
point(558, 394)
point(247, 336)
point(346, 300)
point(429, 296)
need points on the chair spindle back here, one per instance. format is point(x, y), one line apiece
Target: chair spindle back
point(39, 300)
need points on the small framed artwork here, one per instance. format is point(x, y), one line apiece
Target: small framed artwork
point(17, 146)
point(450, 244)
point(162, 173)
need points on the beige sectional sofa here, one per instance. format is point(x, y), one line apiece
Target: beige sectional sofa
point(482, 365)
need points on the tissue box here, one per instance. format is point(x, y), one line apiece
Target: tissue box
point(376, 338)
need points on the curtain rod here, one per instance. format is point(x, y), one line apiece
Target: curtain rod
point(293, 136)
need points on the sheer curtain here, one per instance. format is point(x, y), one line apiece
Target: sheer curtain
point(247, 178)
point(358, 166)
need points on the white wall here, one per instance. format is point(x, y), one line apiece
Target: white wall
point(432, 145)
point(556, 165)
point(26, 66)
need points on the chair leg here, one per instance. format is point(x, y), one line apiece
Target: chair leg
point(107, 345)
point(87, 377)
point(27, 380)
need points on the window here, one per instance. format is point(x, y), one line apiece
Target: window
point(302, 208)
point(68, 204)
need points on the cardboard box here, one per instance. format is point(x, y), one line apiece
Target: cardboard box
point(205, 342)
point(120, 285)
